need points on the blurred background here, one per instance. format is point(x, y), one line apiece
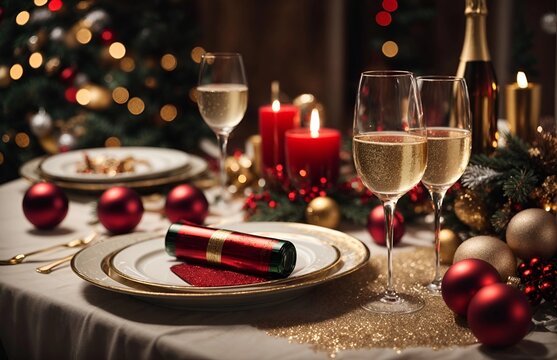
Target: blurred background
point(94, 73)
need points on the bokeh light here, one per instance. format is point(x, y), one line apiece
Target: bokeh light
point(83, 36)
point(197, 53)
point(120, 95)
point(127, 64)
point(389, 49)
point(390, 5)
point(136, 106)
point(117, 50)
point(40, 2)
point(16, 72)
point(55, 5)
point(22, 140)
point(168, 112)
point(112, 141)
point(169, 62)
point(22, 18)
point(83, 96)
point(383, 18)
point(35, 60)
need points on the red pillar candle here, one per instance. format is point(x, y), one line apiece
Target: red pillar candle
point(312, 155)
point(274, 121)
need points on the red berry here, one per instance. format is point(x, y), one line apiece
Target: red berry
point(533, 294)
point(547, 288)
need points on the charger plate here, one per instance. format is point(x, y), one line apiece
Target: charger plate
point(147, 265)
point(90, 265)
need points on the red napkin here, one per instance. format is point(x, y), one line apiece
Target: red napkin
point(199, 275)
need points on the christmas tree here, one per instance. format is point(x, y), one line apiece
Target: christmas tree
point(93, 73)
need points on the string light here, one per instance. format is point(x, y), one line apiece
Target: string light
point(127, 64)
point(22, 140)
point(168, 112)
point(16, 72)
point(35, 60)
point(169, 62)
point(117, 50)
point(22, 18)
point(136, 106)
point(83, 36)
point(55, 5)
point(193, 95)
point(83, 97)
point(390, 49)
point(197, 53)
point(112, 141)
point(120, 95)
point(390, 5)
point(40, 2)
point(383, 18)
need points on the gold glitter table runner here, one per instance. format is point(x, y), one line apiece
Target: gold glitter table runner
point(331, 319)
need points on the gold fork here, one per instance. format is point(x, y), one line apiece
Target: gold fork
point(18, 259)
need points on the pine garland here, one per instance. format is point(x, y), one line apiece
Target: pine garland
point(515, 177)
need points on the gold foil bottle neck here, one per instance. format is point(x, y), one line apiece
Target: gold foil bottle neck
point(475, 7)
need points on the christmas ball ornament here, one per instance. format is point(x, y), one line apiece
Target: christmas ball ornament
point(323, 211)
point(186, 203)
point(376, 226)
point(532, 233)
point(490, 249)
point(41, 123)
point(499, 315)
point(463, 280)
point(119, 209)
point(66, 142)
point(45, 205)
point(449, 242)
point(469, 209)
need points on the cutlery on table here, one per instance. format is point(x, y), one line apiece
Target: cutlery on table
point(18, 259)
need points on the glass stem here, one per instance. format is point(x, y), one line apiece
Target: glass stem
point(222, 139)
point(389, 209)
point(437, 197)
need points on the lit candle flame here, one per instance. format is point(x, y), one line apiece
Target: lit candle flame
point(314, 123)
point(276, 106)
point(521, 80)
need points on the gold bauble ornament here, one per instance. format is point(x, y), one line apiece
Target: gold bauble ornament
point(471, 211)
point(491, 250)
point(532, 233)
point(323, 211)
point(4, 76)
point(449, 242)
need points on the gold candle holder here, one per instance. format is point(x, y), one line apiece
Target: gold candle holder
point(523, 107)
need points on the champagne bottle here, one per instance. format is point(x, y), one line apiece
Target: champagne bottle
point(477, 69)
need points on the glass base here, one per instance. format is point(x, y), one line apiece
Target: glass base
point(394, 304)
point(434, 287)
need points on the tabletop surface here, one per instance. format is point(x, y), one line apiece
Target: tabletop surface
point(61, 316)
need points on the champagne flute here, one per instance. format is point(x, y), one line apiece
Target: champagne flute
point(449, 142)
point(390, 154)
point(222, 100)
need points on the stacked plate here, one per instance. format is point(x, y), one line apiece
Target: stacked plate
point(137, 265)
point(152, 167)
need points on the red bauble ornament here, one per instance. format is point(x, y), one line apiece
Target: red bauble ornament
point(499, 315)
point(376, 226)
point(463, 280)
point(45, 205)
point(186, 203)
point(119, 209)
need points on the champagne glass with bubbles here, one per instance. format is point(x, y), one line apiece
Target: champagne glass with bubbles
point(447, 115)
point(390, 154)
point(222, 100)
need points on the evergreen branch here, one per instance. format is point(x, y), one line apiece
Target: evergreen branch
point(519, 185)
point(477, 175)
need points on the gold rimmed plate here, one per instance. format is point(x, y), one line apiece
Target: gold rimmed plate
point(89, 265)
point(196, 166)
point(147, 265)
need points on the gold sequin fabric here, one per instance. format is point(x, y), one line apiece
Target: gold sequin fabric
point(330, 317)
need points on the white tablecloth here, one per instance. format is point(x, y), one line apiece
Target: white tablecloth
point(61, 316)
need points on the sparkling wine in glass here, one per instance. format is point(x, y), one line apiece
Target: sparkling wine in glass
point(390, 154)
point(449, 142)
point(222, 98)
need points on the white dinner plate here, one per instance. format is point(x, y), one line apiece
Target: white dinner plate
point(147, 263)
point(150, 162)
point(90, 265)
